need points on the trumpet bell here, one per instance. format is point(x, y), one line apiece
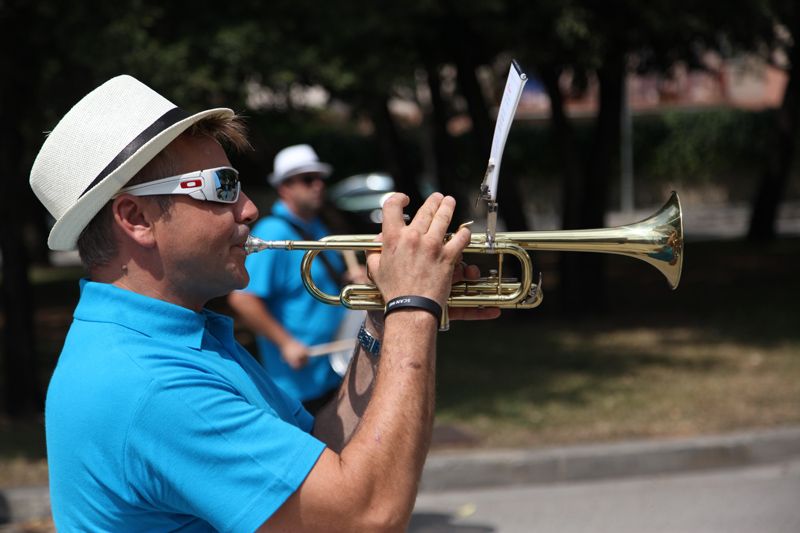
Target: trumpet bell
point(656, 240)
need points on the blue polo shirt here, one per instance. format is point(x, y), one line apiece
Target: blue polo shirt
point(275, 278)
point(157, 420)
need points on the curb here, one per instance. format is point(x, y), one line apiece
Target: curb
point(467, 470)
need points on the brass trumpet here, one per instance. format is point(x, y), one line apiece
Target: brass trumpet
point(657, 240)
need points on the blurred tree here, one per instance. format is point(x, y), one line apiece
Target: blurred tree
point(22, 393)
point(470, 44)
point(366, 63)
point(363, 54)
point(578, 40)
point(56, 60)
point(783, 35)
point(357, 51)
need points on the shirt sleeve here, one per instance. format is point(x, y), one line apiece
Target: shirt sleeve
point(204, 450)
point(304, 419)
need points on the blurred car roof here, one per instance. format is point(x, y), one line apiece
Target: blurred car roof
point(361, 193)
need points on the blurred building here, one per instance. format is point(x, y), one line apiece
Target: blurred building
point(746, 82)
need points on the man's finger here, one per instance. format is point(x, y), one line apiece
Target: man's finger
point(442, 217)
point(424, 216)
point(472, 272)
point(458, 241)
point(393, 213)
point(458, 271)
point(373, 257)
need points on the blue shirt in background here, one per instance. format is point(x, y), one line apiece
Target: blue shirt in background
point(275, 278)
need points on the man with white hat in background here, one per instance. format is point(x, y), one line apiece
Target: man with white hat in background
point(286, 319)
point(156, 419)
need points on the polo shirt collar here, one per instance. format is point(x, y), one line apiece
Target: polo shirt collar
point(103, 302)
point(280, 209)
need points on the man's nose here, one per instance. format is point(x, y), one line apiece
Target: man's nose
point(247, 212)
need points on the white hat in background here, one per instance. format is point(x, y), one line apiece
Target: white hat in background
point(100, 144)
point(294, 160)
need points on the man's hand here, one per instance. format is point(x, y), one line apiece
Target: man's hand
point(295, 354)
point(415, 259)
point(463, 272)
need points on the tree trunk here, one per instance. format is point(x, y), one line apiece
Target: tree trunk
point(606, 142)
point(603, 161)
point(393, 152)
point(22, 393)
point(569, 157)
point(444, 162)
point(780, 153)
point(570, 271)
point(583, 283)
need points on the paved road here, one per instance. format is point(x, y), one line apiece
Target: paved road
point(761, 499)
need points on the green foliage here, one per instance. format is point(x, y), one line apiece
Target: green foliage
point(724, 147)
point(700, 146)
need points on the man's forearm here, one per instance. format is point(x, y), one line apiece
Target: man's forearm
point(397, 424)
point(383, 415)
point(254, 313)
point(336, 422)
point(382, 420)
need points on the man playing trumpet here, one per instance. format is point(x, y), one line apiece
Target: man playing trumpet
point(156, 418)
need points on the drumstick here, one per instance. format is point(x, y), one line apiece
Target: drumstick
point(330, 347)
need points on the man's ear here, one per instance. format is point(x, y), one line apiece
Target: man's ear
point(134, 216)
point(282, 189)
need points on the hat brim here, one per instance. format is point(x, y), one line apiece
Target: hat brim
point(65, 232)
point(323, 168)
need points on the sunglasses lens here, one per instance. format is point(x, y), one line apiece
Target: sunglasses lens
point(305, 179)
point(226, 181)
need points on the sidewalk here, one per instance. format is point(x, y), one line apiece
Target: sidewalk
point(473, 469)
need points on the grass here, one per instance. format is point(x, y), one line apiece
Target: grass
point(721, 353)
point(22, 453)
point(605, 382)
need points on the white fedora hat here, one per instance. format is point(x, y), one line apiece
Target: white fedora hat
point(100, 144)
point(294, 160)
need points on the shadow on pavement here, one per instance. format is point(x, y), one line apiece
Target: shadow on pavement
point(442, 523)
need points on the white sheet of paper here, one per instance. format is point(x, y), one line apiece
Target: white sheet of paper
point(505, 116)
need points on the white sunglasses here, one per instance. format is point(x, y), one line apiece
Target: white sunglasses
point(219, 184)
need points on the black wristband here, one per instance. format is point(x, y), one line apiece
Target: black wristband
point(415, 302)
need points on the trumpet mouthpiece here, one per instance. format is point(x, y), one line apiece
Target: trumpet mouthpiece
point(254, 244)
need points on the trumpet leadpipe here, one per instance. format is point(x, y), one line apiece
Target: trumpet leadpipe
point(254, 244)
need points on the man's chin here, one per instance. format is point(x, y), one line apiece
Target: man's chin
point(239, 278)
point(242, 280)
